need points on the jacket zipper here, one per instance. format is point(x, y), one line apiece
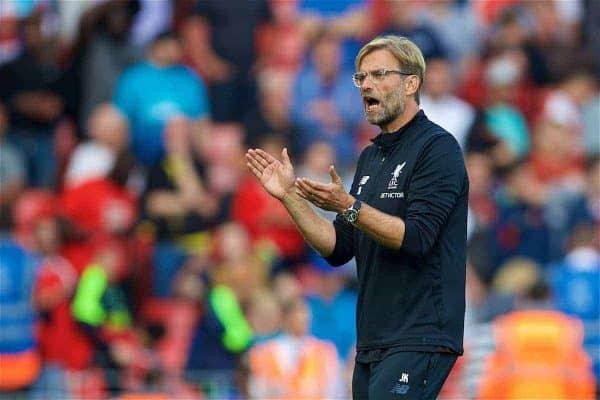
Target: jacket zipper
point(376, 180)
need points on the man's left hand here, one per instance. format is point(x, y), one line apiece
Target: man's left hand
point(330, 196)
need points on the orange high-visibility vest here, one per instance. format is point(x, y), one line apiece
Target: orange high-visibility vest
point(19, 370)
point(539, 355)
point(315, 371)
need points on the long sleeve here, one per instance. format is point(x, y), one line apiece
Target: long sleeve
point(438, 180)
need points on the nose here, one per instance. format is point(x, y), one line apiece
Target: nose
point(367, 85)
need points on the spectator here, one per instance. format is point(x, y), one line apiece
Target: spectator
point(564, 105)
point(156, 90)
point(223, 152)
point(556, 157)
point(264, 315)
point(538, 351)
point(482, 306)
point(177, 204)
point(286, 287)
point(240, 265)
point(100, 206)
point(12, 169)
point(63, 345)
point(348, 20)
point(223, 332)
point(272, 117)
point(462, 44)
point(100, 211)
point(404, 21)
point(482, 208)
point(515, 278)
point(324, 105)
point(107, 54)
point(103, 275)
point(295, 364)
point(575, 283)
point(504, 120)
point(520, 228)
point(281, 44)
point(332, 307)
point(19, 354)
point(109, 133)
point(441, 105)
point(550, 46)
point(566, 210)
point(100, 308)
point(225, 54)
point(264, 218)
point(31, 89)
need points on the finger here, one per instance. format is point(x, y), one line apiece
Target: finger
point(311, 191)
point(269, 158)
point(335, 178)
point(259, 158)
point(251, 155)
point(254, 170)
point(255, 163)
point(315, 186)
point(304, 194)
point(285, 157)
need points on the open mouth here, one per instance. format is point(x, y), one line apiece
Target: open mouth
point(370, 103)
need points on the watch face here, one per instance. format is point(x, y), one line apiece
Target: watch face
point(351, 215)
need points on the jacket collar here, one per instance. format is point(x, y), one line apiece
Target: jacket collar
point(388, 140)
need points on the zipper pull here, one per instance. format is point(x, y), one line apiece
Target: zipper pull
point(383, 152)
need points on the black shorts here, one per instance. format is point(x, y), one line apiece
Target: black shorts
point(402, 376)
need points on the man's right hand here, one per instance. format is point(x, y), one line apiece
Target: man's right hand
point(277, 177)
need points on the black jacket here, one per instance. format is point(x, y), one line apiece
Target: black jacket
point(412, 299)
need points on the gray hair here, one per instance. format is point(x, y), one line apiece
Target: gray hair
point(405, 51)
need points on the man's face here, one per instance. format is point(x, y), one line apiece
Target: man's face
point(169, 51)
point(326, 57)
point(439, 78)
point(386, 100)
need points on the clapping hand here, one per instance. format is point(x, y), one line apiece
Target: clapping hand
point(330, 196)
point(277, 177)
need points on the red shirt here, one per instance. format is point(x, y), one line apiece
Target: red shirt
point(102, 210)
point(99, 205)
point(265, 218)
point(60, 339)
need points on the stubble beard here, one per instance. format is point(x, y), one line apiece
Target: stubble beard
point(393, 105)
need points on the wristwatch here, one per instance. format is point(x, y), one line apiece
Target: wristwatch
point(350, 214)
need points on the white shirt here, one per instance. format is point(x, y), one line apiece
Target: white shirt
point(451, 113)
point(90, 160)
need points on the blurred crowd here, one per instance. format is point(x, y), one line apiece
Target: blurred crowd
point(138, 257)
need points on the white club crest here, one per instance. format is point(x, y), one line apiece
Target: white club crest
point(397, 171)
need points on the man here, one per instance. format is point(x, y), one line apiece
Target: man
point(294, 364)
point(154, 91)
point(32, 90)
point(405, 222)
point(442, 105)
point(324, 106)
point(224, 53)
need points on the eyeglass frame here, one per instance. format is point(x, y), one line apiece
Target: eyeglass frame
point(369, 75)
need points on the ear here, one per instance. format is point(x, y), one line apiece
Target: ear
point(411, 85)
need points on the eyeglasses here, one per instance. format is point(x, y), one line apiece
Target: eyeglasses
point(376, 76)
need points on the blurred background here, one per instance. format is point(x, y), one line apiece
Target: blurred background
point(139, 259)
